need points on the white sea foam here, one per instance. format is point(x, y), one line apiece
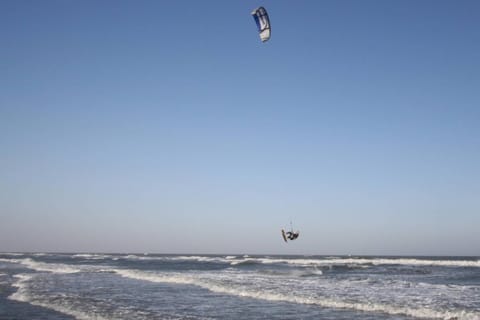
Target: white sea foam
point(132, 256)
point(44, 267)
point(3, 280)
point(147, 257)
point(84, 255)
point(154, 277)
point(271, 295)
point(244, 261)
point(91, 256)
point(14, 254)
point(326, 261)
point(10, 260)
point(361, 262)
point(24, 295)
point(21, 293)
point(227, 259)
point(140, 257)
point(49, 267)
point(67, 309)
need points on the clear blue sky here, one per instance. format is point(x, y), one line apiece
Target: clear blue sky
point(167, 126)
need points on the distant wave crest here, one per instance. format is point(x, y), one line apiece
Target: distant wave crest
point(352, 262)
point(43, 266)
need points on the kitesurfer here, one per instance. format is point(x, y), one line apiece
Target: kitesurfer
point(292, 235)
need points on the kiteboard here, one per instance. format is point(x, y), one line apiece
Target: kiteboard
point(284, 235)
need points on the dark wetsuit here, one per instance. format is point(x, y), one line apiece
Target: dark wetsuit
point(292, 235)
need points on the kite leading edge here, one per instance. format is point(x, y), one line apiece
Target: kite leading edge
point(260, 16)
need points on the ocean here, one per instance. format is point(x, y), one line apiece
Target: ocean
point(152, 286)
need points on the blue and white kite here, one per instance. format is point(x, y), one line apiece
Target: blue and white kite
point(263, 23)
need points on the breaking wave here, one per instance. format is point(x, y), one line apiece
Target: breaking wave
point(352, 262)
point(23, 295)
point(271, 295)
point(92, 256)
point(44, 267)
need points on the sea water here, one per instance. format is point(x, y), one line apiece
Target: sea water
point(151, 286)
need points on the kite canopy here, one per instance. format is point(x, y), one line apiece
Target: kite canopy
point(260, 16)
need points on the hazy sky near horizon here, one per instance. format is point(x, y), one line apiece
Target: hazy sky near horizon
point(168, 127)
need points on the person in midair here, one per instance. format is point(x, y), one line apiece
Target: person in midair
point(292, 235)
